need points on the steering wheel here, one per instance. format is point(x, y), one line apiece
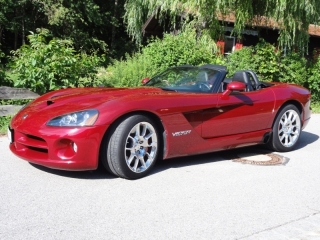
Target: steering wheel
point(204, 87)
point(166, 82)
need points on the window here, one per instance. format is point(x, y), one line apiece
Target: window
point(230, 43)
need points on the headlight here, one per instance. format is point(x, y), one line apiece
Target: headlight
point(76, 119)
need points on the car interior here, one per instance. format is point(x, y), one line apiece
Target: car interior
point(248, 77)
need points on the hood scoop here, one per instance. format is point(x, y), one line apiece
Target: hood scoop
point(49, 102)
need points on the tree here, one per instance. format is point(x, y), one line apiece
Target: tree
point(90, 24)
point(18, 17)
point(292, 16)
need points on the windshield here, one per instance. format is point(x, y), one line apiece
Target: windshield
point(185, 79)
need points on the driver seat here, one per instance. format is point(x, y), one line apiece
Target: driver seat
point(202, 77)
point(241, 76)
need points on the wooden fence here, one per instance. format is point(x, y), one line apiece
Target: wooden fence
point(7, 93)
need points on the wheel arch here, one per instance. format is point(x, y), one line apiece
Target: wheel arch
point(273, 142)
point(296, 103)
point(148, 114)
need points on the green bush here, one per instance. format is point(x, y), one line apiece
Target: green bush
point(4, 123)
point(293, 69)
point(273, 65)
point(48, 65)
point(314, 80)
point(266, 58)
point(129, 72)
point(4, 80)
point(241, 60)
point(270, 64)
point(262, 58)
point(184, 48)
point(172, 50)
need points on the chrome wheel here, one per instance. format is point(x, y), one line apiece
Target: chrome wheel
point(289, 128)
point(141, 147)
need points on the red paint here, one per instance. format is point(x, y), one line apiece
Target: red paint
point(217, 120)
point(145, 80)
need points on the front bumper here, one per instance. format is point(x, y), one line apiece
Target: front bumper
point(54, 147)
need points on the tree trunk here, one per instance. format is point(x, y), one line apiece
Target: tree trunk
point(113, 36)
point(15, 47)
point(23, 32)
point(1, 29)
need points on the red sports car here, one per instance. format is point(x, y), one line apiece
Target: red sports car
point(184, 110)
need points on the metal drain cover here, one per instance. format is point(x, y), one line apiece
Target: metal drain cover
point(260, 158)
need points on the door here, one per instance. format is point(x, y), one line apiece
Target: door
point(240, 112)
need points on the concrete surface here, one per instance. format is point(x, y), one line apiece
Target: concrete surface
point(198, 197)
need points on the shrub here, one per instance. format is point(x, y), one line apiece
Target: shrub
point(184, 48)
point(172, 50)
point(4, 80)
point(314, 80)
point(293, 69)
point(262, 58)
point(4, 123)
point(241, 60)
point(129, 72)
point(48, 65)
point(266, 59)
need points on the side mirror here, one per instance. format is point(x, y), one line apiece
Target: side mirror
point(144, 81)
point(234, 86)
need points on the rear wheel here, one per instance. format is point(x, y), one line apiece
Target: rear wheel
point(132, 148)
point(286, 129)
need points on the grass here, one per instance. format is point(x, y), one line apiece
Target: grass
point(4, 122)
point(315, 107)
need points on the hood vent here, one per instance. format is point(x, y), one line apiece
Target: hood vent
point(49, 102)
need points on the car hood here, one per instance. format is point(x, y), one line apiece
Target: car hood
point(64, 101)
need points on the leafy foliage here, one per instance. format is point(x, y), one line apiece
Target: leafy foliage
point(43, 66)
point(91, 24)
point(272, 65)
point(314, 80)
point(14, 101)
point(293, 69)
point(262, 58)
point(293, 17)
point(2, 72)
point(184, 48)
point(4, 123)
point(241, 59)
point(266, 58)
point(129, 72)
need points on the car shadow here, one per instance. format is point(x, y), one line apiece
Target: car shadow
point(99, 173)
point(207, 158)
point(306, 138)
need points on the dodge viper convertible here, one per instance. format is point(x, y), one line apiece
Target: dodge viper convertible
point(182, 111)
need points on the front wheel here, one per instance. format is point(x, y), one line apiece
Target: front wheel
point(286, 129)
point(133, 147)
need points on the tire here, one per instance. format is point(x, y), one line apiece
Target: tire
point(132, 147)
point(286, 129)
